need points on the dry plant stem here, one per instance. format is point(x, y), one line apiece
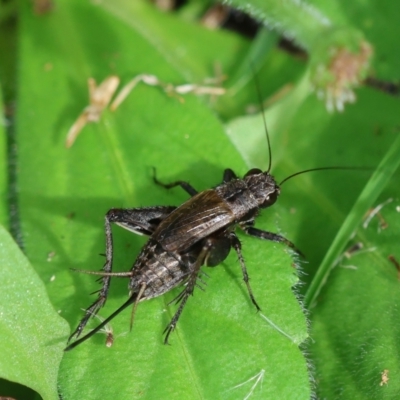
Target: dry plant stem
point(170, 89)
point(99, 97)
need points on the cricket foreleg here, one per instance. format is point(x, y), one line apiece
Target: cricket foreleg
point(183, 297)
point(273, 237)
point(184, 185)
point(238, 248)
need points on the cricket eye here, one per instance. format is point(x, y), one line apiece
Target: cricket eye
point(253, 171)
point(271, 199)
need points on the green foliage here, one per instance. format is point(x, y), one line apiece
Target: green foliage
point(32, 333)
point(3, 170)
point(220, 342)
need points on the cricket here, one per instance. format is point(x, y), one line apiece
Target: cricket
point(199, 232)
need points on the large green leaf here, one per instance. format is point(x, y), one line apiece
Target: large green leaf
point(354, 322)
point(355, 338)
point(3, 166)
point(220, 341)
point(351, 347)
point(32, 332)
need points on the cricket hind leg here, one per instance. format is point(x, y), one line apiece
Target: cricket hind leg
point(133, 299)
point(106, 279)
point(141, 221)
point(184, 185)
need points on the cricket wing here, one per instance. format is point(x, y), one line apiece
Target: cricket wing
point(194, 220)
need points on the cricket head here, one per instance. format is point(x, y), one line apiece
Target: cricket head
point(262, 186)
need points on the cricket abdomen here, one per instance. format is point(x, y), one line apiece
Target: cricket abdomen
point(158, 269)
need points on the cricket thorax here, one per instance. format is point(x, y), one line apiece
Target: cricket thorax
point(256, 190)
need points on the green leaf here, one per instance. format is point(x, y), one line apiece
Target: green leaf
point(355, 319)
point(377, 183)
point(3, 166)
point(220, 342)
point(360, 290)
point(32, 333)
point(221, 347)
point(351, 346)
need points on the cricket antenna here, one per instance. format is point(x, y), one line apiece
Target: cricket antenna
point(257, 83)
point(322, 169)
